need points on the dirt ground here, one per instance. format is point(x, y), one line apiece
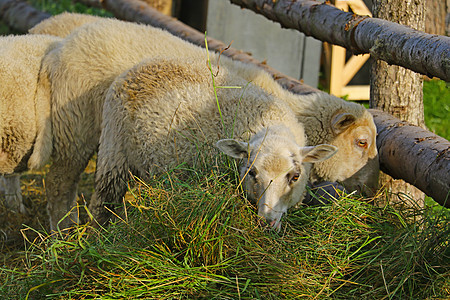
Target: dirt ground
point(13, 225)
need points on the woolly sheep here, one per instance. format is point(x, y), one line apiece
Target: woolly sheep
point(59, 25)
point(25, 129)
point(63, 24)
point(326, 118)
point(158, 114)
point(80, 70)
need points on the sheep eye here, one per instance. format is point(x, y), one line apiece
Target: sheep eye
point(362, 143)
point(294, 178)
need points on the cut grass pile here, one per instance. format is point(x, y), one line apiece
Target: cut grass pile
point(191, 234)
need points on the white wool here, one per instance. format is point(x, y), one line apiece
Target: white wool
point(25, 132)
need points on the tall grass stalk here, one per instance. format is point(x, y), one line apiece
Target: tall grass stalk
point(215, 87)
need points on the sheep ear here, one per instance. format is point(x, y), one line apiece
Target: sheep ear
point(318, 153)
point(341, 121)
point(233, 148)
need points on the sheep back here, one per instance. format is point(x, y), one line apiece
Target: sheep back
point(63, 24)
point(82, 68)
point(165, 111)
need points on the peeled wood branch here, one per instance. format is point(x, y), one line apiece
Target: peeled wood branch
point(415, 155)
point(396, 44)
point(406, 152)
point(20, 16)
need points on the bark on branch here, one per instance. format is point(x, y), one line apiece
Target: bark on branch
point(406, 152)
point(396, 44)
point(20, 16)
point(415, 155)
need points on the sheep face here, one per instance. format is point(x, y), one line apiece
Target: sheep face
point(274, 171)
point(356, 140)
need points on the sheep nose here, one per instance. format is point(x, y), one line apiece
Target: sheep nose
point(270, 224)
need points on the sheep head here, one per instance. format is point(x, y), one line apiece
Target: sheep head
point(356, 140)
point(274, 170)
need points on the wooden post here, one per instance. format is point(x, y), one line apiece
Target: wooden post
point(398, 91)
point(340, 71)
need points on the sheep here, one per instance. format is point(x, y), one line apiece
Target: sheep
point(158, 113)
point(326, 118)
point(63, 24)
point(81, 69)
point(25, 129)
point(59, 25)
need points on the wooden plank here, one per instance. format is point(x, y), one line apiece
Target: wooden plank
point(352, 67)
point(342, 72)
point(356, 92)
point(337, 66)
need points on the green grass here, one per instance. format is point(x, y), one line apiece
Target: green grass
point(191, 234)
point(56, 7)
point(436, 99)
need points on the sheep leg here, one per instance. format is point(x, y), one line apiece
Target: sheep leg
point(61, 187)
point(112, 172)
point(111, 177)
point(13, 194)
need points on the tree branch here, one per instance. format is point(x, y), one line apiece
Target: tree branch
point(415, 155)
point(20, 16)
point(396, 44)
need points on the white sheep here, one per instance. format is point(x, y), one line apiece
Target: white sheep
point(25, 129)
point(63, 24)
point(81, 69)
point(326, 118)
point(20, 58)
point(162, 111)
